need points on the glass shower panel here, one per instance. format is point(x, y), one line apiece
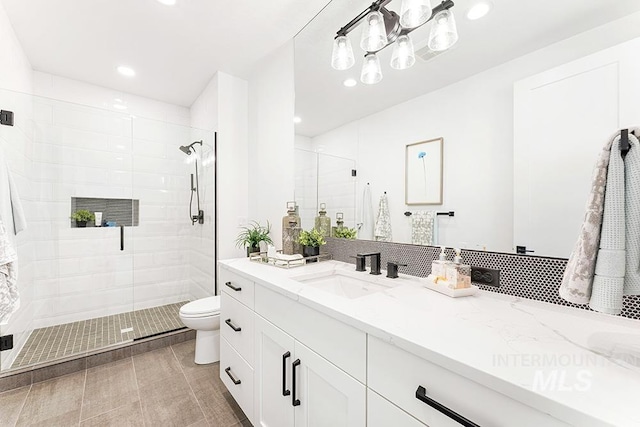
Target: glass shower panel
point(306, 186)
point(16, 148)
point(174, 256)
point(337, 187)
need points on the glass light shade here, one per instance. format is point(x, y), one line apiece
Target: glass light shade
point(414, 13)
point(443, 32)
point(342, 56)
point(403, 55)
point(371, 71)
point(374, 33)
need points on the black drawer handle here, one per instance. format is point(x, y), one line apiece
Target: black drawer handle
point(294, 401)
point(235, 288)
point(285, 356)
point(421, 394)
point(235, 381)
point(232, 326)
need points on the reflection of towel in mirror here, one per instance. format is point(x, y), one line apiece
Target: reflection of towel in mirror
point(618, 260)
point(423, 227)
point(365, 225)
point(9, 298)
point(383, 222)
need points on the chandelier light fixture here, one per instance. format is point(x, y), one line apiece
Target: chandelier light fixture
point(382, 27)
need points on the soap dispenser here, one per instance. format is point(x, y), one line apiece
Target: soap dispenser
point(459, 274)
point(439, 266)
point(323, 222)
point(291, 231)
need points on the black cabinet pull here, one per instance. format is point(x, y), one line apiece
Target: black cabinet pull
point(237, 289)
point(235, 381)
point(122, 237)
point(285, 392)
point(232, 326)
point(294, 401)
point(421, 395)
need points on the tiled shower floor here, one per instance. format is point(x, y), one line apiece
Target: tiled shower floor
point(54, 342)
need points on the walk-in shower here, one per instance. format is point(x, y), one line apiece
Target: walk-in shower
point(79, 292)
point(199, 217)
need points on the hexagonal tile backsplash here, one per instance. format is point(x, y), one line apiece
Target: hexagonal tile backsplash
point(525, 276)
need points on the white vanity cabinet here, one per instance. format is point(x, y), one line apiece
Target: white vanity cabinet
point(294, 386)
point(237, 338)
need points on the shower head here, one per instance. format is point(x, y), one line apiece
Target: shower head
point(188, 149)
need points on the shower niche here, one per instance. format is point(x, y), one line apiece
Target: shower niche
point(117, 211)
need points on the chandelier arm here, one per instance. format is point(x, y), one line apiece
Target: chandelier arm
point(376, 5)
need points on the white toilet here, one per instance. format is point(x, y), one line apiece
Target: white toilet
point(203, 315)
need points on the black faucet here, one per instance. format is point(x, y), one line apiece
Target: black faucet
point(392, 269)
point(375, 262)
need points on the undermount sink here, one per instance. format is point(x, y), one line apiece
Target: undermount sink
point(344, 284)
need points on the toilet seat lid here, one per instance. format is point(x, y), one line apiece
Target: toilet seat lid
point(209, 305)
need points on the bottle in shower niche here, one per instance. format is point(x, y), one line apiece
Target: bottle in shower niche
point(323, 222)
point(339, 223)
point(458, 273)
point(291, 231)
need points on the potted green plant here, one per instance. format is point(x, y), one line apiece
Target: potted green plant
point(345, 233)
point(311, 242)
point(251, 236)
point(82, 216)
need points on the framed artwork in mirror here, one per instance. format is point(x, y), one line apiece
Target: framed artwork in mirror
point(423, 172)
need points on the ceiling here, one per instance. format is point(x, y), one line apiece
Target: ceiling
point(512, 29)
point(175, 50)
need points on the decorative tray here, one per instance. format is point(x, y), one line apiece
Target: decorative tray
point(262, 258)
point(428, 282)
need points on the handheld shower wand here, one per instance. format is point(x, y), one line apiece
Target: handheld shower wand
point(199, 218)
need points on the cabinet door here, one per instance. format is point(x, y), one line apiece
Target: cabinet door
point(273, 404)
point(328, 396)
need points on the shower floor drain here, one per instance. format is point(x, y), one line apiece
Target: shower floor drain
point(124, 331)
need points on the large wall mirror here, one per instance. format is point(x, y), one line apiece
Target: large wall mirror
point(522, 103)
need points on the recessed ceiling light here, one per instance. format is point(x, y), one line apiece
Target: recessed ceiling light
point(167, 2)
point(126, 71)
point(119, 106)
point(297, 119)
point(479, 10)
point(350, 82)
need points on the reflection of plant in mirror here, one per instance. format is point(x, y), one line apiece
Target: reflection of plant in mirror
point(251, 236)
point(83, 215)
point(422, 155)
point(311, 238)
point(345, 233)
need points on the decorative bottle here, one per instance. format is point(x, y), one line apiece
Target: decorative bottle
point(323, 222)
point(291, 231)
point(339, 223)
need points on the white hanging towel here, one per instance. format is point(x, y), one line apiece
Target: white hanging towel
point(11, 211)
point(423, 228)
point(365, 226)
point(9, 298)
point(383, 222)
point(617, 270)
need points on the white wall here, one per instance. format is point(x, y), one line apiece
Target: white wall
point(475, 117)
point(271, 139)
point(16, 144)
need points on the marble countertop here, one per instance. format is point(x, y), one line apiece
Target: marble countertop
point(581, 367)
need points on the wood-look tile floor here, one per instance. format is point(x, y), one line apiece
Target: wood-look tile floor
point(159, 388)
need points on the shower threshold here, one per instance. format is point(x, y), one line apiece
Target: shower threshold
point(60, 341)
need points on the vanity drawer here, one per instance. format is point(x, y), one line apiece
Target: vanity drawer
point(397, 375)
point(237, 286)
point(237, 376)
point(382, 413)
point(236, 326)
point(343, 345)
